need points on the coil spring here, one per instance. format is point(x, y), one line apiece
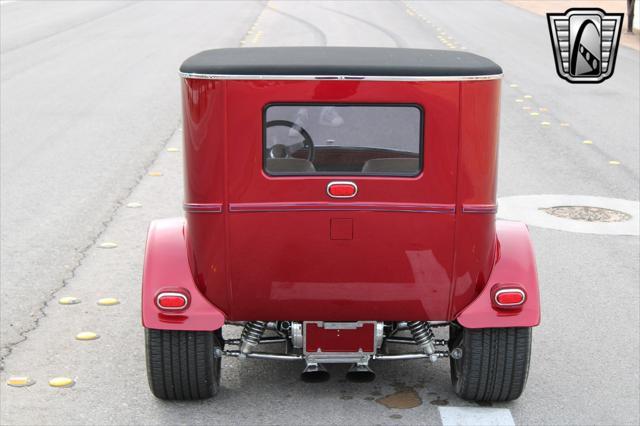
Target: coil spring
point(251, 334)
point(422, 334)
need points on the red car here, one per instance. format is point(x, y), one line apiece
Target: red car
point(340, 207)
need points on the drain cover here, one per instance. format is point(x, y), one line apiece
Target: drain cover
point(587, 213)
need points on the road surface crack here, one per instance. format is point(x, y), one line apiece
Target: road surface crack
point(41, 311)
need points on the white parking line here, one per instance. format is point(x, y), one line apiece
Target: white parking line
point(475, 416)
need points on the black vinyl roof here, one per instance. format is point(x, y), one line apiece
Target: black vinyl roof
point(337, 61)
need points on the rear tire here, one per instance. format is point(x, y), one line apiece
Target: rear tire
point(494, 364)
point(181, 364)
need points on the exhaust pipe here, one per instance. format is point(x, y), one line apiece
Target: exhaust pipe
point(360, 373)
point(314, 373)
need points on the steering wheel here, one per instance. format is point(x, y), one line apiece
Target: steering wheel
point(281, 151)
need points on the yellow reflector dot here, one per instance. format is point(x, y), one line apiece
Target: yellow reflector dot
point(68, 300)
point(87, 335)
point(528, 96)
point(545, 123)
point(20, 381)
point(108, 301)
point(587, 142)
point(134, 205)
point(614, 162)
point(534, 113)
point(61, 382)
point(513, 85)
point(108, 245)
point(155, 174)
point(519, 100)
point(172, 149)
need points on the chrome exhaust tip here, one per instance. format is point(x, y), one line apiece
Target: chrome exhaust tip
point(360, 373)
point(314, 373)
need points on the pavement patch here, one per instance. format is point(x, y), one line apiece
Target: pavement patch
point(573, 213)
point(475, 416)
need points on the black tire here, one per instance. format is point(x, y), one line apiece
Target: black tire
point(181, 364)
point(494, 364)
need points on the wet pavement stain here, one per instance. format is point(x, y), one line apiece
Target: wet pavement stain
point(369, 398)
point(439, 402)
point(346, 397)
point(402, 399)
point(395, 416)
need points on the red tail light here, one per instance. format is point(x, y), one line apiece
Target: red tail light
point(508, 297)
point(172, 301)
point(342, 189)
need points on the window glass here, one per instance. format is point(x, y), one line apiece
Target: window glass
point(343, 139)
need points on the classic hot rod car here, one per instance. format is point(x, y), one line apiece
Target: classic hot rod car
point(340, 207)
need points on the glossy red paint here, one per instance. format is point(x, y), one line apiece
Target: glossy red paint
point(420, 248)
point(166, 269)
point(515, 264)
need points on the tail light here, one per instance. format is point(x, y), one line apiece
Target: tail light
point(342, 189)
point(172, 301)
point(508, 296)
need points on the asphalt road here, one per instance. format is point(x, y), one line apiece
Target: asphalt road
point(89, 102)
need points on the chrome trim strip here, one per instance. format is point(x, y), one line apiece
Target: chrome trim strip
point(202, 207)
point(172, 294)
point(342, 182)
point(510, 290)
point(338, 77)
point(342, 206)
point(480, 208)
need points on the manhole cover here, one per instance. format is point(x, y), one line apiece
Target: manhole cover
point(587, 213)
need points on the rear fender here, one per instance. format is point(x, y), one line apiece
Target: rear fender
point(515, 264)
point(166, 268)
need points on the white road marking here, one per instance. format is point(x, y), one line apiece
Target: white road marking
point(475, 416)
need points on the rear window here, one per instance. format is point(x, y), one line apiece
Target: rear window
point(343, 139)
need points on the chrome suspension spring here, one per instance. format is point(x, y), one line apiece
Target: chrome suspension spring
point(251, 334)
point(423, 336)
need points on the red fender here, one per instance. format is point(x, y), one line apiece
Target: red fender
point(166, 268)
point(515, 264)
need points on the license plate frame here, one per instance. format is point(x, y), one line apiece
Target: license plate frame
point(320, 337)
